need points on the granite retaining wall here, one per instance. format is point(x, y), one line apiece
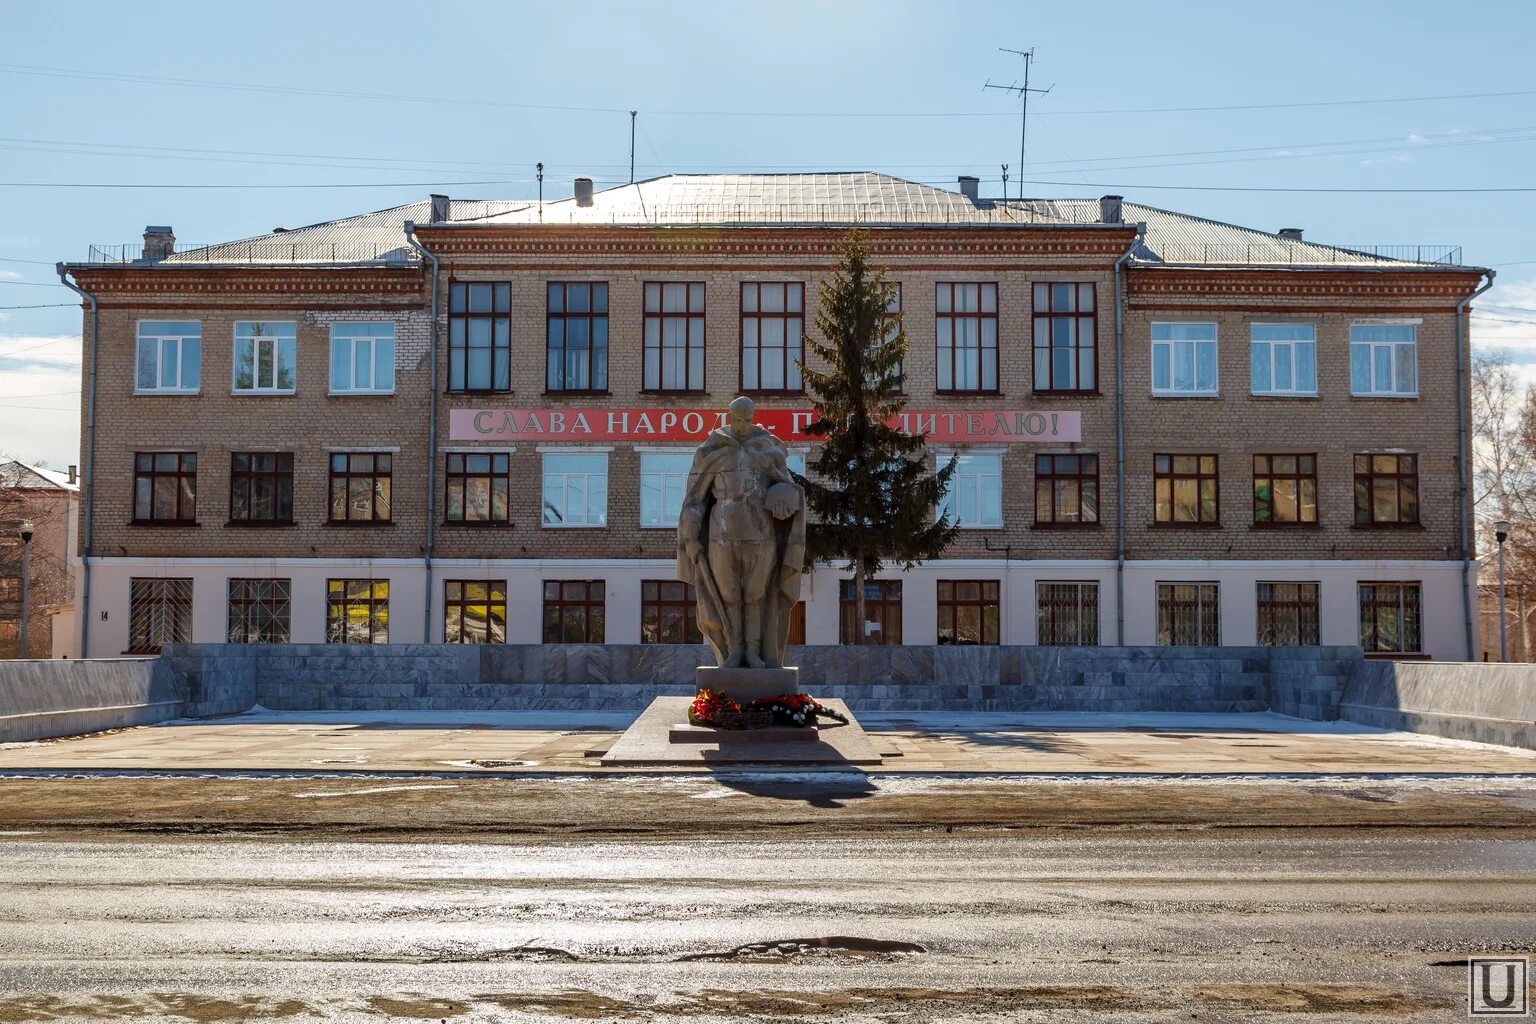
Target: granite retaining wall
point(65, 697)
point(1486, 703)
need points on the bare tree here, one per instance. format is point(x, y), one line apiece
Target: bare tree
point(1504, 475)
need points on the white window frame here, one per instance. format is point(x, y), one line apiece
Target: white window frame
point(681, 479)
point(1273, 346)
point(352, 342)
point(588, 520)
point(1172, 344)
point(277, 343)
point(947, 503)
point(1373, 391)
point(160, 341)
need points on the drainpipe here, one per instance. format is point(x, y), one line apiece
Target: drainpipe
point(89, 480)
point(426, 633)
point(1120, 438)
point(1463, 459)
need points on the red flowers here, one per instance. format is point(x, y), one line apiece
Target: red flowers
point(716, 708)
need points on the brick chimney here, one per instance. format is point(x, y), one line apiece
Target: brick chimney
point(583, 191)
point(74, 474)
point(159, 241)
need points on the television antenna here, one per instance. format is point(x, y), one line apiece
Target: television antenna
point(1028, 56)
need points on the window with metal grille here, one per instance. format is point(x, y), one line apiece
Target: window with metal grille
point(667, 613)
point(772, 332)
point(1066, 489)
point(357, 611)
point(966, 322)
point(1067, 614)
point(969, 612)
point(574, 612)
point(478, 486)
point(259, 611)
point(360, 487)
point(1386, 490)
point(882, 612)
point(1288, 614)
point(1188, 615)
point(1391, 620)
point(159, 612)
point(1285, 489)
point(479, 336)
point(1185, 489)
point(165, 487)
point(474, 611)
point(674, 336)
point(1066, 338)
point(261, 487)
point(576, 336)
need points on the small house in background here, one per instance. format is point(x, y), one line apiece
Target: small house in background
point(50, 500)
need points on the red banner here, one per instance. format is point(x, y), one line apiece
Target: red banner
point(940, 425)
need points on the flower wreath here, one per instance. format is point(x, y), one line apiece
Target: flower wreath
point(716, 708)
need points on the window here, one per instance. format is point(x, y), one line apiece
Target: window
point(1386, 490)
point(668, 613)
point(10, 588)
point(1390, 618)
point(1066, 489)
point(1188, 615)
point(573, 612)
point(1067, 614)
point(357, 612)
point(159, 612)
point(170, 357)
point(1066, 349)
point(893, 324)
point(967, 337)
point(259, 611)
point(796, 624)
point(1288, 615)
point(261, 487)
point(266, 358)
point(1383, 359)
point(363, 359)
point(479, 336)
point(576, 490)
point(772, 328)
point(975, 494)
point(1285, 489)
point(882, 612)
point(674, 335)
point(969, 612)
point(165, 487)
point(1184, 359)
point(576, 336)
point(1185, 488)
point(360, 486)
point(478, 485)
point(474, 612)
point(1283, 359)
point(663, 479)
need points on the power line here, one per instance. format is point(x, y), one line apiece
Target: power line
point(45, 305)
point(32, 284)
point(365, 184)
point(1253, 188)
point(15, 259)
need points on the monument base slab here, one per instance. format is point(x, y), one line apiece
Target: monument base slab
point(746, 685)
point(742, 737)
point(648, 743)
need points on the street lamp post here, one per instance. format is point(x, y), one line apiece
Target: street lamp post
point(26, 564)
point(1501, 534)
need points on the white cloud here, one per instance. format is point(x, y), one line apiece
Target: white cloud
point(10, 275)
point(40, 398)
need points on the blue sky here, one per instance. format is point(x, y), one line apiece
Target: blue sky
point(726, 86)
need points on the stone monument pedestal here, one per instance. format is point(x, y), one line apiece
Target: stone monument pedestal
point(746, 685)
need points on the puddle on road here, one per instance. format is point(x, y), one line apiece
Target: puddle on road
point(833, 947)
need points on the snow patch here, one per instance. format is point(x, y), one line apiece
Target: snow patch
point(369, 792)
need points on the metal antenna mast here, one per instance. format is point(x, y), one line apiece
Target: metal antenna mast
point(1023, 91)
point(632, 114)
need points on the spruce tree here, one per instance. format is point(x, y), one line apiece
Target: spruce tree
point(870, 494)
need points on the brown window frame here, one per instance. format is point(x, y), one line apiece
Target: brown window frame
point(456, 598)
point(172, 595)
point(1265, 468)
point(347, 475)
point(1050, 607)
point(338, 604)
point(591, 316)
point(1046, 318)
point(183, 487)
point(1167, 476)
point(10, 589)
point(241, 602)
point(889, 319)
point(243, 482)
point(559, 603)
point(981, 316)
point(457, 478)
point(1370, 603)
point(952, 605)
point(885, 604)
point(660, 316)
point(793, 341)
point(1208, 632)
point(499, 315)
point(664, 606)
point(1052, 479)
point(1304, 614)
point(1366, 478)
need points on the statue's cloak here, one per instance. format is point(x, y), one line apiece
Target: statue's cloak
point(718, 454)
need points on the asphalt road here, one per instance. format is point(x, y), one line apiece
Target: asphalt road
point(1145, 924)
